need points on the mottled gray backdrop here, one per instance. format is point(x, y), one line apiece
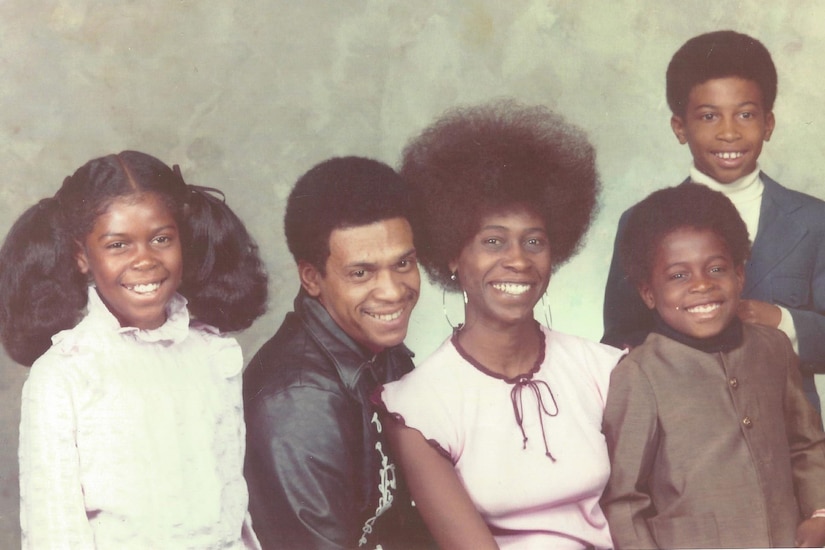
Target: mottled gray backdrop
point(247, 95)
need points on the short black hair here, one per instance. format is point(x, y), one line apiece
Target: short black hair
point(474, 161)
point(719, 54)
point(689, 205)
point(338, 193)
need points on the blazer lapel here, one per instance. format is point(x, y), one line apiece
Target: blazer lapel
point(777, 235)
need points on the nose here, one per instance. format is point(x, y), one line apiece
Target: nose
point(702, 283)
point(144, 259)
point(515, 257)
point(390, 286)
point(728, 130)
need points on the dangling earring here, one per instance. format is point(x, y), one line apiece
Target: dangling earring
point(548, 314)
point(457, 327)
point(454, 277)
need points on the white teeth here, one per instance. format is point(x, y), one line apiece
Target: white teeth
point(704, 308)
point(388, 316)
point(145, 289)
point(729, 156)
point(512, 288)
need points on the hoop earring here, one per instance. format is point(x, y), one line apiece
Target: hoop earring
point(548, 314)
point(457, 327)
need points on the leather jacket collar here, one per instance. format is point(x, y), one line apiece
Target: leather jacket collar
point(351, 360)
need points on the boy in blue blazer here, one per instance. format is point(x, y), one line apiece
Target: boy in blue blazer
point(721, 88)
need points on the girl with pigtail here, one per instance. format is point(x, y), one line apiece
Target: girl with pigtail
point(117, 291)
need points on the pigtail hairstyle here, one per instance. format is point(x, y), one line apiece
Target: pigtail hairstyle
point(224, 278)
point(42, 291)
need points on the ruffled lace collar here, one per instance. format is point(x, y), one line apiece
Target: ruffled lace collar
point(175, 329)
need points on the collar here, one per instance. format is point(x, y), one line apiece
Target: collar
point(749, 184)
point(518, 379)
point(175, 329)
point(351, 360)
point(727, 340)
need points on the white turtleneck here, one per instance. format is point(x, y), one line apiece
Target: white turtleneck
point(746, 195)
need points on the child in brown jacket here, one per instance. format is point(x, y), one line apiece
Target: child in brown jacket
point(711, 439)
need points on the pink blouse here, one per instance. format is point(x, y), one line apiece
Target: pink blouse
point(530, 494)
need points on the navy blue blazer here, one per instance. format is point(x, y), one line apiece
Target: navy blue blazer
point(786, 268)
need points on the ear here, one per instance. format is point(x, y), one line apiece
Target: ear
point(310, 278)
point(740, 276)
point(677, 124)
point(81, 259)
point(770, 124)
point(646, 292)
point(453, 266)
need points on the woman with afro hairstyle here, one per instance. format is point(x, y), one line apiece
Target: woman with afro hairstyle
point(117, 289)
point(498, 432)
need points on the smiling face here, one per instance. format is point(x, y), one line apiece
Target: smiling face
point(694, 284)
point(505, 268)
point(371, 283)
point(725, 125)
point(133, 253)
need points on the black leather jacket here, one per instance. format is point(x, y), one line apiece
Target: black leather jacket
point(317, 465)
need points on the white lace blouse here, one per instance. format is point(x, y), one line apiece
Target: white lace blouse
point(134, 438)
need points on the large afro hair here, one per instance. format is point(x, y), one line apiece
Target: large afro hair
point(479, 160)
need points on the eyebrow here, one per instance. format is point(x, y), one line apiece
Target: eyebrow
point(125, 234)
point(502, 228)
point(740, 105)
point(371, 265)
point(709, 260)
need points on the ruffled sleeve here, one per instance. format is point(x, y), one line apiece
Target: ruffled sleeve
point(429, 399)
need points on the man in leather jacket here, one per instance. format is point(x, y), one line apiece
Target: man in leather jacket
point(318, 468)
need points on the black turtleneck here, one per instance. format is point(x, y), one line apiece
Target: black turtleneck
point(730, 338)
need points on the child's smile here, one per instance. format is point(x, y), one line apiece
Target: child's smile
point(725, 126)
point(134, 255)
point(694, 284)
point(144, 288)
point(703, 308)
